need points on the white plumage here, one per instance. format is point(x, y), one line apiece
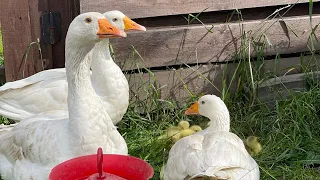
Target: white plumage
point(47, 90)
point(5, 128)
point(214, 152)
point(37, 144)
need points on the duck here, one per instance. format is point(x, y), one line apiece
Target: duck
point(35, 145)
point(213, 153)
point(252, 145)
point(48, 89)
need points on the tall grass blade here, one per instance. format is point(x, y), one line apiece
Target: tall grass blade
point(310, 11)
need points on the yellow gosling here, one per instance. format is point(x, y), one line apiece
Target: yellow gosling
point(253, 145)
point(196, 128)
point(186, 132)
point(184, 125)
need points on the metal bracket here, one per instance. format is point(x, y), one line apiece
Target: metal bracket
point(50, 27)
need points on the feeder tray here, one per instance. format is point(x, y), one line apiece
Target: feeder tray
point(102, 167)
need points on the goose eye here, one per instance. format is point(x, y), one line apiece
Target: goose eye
point(115, 19)
point(88, 20)
point(202, 102)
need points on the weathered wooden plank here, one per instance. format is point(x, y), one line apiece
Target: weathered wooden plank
point(16, 23)
point(210, 17)
point(283, 87)
point(193, 44)
point(151, 8)
point(205, 78)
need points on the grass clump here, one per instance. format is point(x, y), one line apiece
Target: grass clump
point(289, 132)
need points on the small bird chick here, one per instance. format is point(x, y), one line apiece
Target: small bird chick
point(184, 125)
point(187, 132)
point(252, 145)
point(196, 128)
point(173, 133)
point(182, 130)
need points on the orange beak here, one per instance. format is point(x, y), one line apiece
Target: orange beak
point(193, 109)
point(106, 30)
point(131, 25)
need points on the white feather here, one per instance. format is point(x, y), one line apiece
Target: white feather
point(5, 128)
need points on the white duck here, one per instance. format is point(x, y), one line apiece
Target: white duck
point(47, 90)
point(214, 153)
point(34, 146)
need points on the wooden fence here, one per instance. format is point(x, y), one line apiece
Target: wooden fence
point(170, 42)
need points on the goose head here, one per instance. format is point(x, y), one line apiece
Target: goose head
point(92, 27)
point(214, 108)
point(123, 22)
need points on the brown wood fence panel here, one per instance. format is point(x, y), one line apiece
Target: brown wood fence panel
point(193, 44)
point(206, 78)
point(151, 8)
point(20, 23)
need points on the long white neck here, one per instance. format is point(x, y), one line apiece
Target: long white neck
point(100, 54)
point(219, 121)
point(78, 71)
point(102, 65)
point(87, 116)
point(105, 71)
point(108, 81)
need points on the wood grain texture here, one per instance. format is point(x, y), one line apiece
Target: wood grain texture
point(193, 44)
point(18, 25)
point(206, 79)
point(151, 8)
point(20, 22)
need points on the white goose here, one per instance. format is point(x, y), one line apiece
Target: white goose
point(34, 146)
point(47, 90)
point(214, 153)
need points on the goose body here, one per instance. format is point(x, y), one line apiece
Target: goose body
point(37, 144)
point(47, 90)
point(213, 153)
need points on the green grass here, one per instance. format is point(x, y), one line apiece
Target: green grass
point(289, 133)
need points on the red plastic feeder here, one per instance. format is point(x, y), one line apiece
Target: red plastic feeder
point(102, 167)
